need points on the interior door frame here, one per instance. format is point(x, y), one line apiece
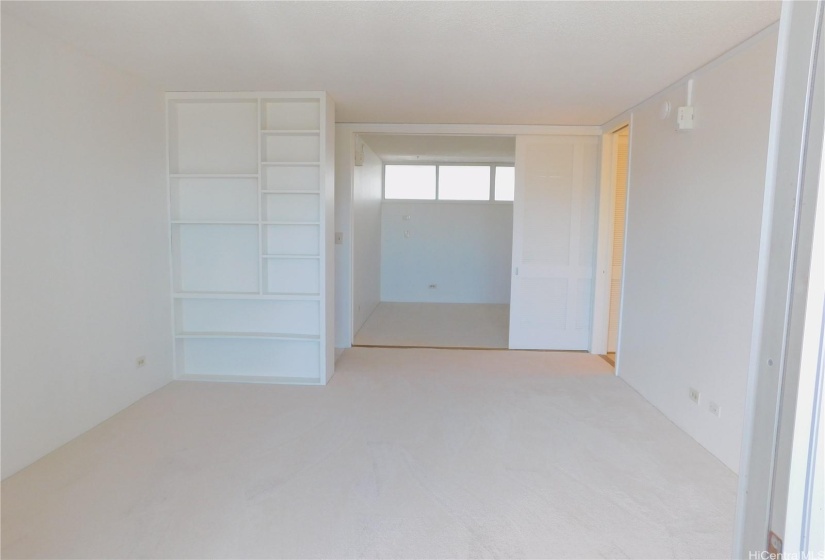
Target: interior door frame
point(345, 138)
point(604, 238)
point(772, 496)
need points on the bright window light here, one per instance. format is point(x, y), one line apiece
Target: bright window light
point(410, 182)
point(464, 182)
point(505, 183)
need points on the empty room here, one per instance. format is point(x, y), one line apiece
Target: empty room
point(432, 240)
point(412, 279)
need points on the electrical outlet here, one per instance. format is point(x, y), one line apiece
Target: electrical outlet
point(140, 361)
point(774, 545)
point(433, 286)
point(694, 395)
point(715, 409)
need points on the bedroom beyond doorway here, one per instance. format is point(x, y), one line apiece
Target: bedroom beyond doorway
point(432, 240)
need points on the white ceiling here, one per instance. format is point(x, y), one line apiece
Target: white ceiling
point(415, 62)
point(442, 148)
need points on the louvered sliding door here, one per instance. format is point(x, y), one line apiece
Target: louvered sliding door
point(554, 215)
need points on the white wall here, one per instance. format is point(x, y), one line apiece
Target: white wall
point(693, 222)
point(463, 247)
point(84, 242)
point(366, 207)
point(344, 185)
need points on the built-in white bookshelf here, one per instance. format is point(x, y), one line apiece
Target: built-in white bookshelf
point(250, 200)
point(291, 178)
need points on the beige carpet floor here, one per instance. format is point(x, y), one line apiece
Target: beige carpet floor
point(408, 453)
point(437, 325)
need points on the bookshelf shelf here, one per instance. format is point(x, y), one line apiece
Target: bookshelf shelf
point(250, 250)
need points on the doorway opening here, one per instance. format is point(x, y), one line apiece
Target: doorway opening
point(432, 240)
point(620, 160)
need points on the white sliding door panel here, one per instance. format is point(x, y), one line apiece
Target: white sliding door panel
point(553, 223)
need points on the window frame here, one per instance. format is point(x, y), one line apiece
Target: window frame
point(405, 164)
point(438, 164)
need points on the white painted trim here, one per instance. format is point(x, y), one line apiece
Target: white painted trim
point(774, 364)
point(472, 129)
point(745, 506)
point(169, 252)
point(803, 332)
point(604, 233)
point(229, 95)
point(354, 139)
point(260, 200)
point(604, 240)
point(448, 160)
point(806, 415)
point(255, 379)
point(628, 188)
point(402, 201)
point(326, 233)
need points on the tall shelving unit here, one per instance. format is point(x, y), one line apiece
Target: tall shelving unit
point(251, 207)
